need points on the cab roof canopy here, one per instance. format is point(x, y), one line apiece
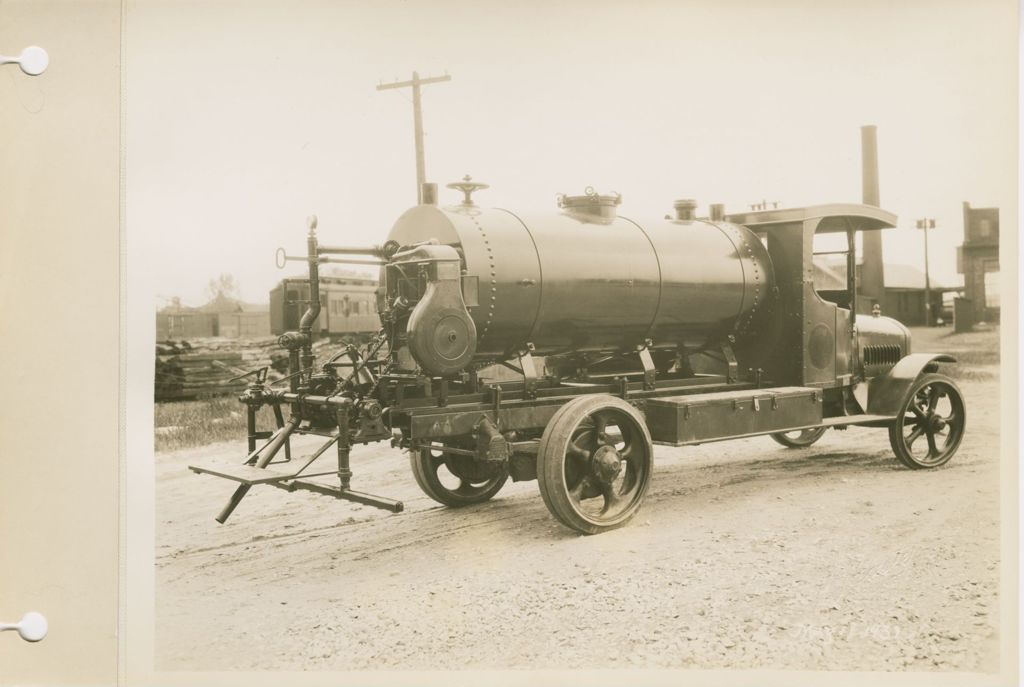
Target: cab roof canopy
point(832, 218)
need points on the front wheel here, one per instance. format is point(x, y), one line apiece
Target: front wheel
point(800, 438)
point(594, 463)
point(930, 426)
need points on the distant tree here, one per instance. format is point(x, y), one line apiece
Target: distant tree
point(224, 285)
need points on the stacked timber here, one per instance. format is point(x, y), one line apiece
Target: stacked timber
point(198, 375)
point(204, 367)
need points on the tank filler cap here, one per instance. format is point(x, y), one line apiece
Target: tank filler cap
point(686, 209)
point(591, 204)
point(468, 186)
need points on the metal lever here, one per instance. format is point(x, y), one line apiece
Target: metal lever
point(281, 259)
point(33, 60)
point(32, 627)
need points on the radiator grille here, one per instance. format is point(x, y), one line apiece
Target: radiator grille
point(882, 355)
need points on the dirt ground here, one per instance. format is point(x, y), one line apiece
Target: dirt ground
point(745, 555)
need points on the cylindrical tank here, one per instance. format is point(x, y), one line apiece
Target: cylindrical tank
point(578, 281)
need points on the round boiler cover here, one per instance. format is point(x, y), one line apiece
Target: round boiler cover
point(444, 341)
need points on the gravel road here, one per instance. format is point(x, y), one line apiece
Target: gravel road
point(745, 555)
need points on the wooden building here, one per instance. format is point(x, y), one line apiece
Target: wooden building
point(222, 316)
point(978, 260)
point(905, 296)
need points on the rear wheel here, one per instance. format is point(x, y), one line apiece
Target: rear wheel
point(594, 463)
point(800, 438)
point(930, 426)
point(455, 480)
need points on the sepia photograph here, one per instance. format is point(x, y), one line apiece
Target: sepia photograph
point(487, 336)
point(474, 342)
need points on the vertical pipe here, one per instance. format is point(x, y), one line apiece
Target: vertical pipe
point(873, 270)
point(294, 366)
point(344, 447)
point(417, 115)
point(928, 224)
point(313, 311)
point(250, 424)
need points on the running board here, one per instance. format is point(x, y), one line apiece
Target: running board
point(841, 421)
point(863, 420)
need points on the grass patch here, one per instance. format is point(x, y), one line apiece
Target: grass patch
point(971, 349)
point(976, 352)
point(184, 424)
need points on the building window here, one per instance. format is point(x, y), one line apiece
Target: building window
point(992, 288)
point(984, 228)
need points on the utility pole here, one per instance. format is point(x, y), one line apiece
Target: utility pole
point(417, 115)
point(926, 224)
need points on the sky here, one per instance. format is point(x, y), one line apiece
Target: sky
point(242, 120)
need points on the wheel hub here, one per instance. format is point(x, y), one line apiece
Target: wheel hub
point(935, 423)
point(607, 463)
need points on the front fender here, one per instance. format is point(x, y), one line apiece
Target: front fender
point(888, 392)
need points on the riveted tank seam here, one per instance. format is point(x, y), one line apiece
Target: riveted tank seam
point(540, 275)
point(492, 306)
point(661, 280)
point(743, 271)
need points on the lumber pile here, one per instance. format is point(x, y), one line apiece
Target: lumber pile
point(204, 367)
point(182, 374)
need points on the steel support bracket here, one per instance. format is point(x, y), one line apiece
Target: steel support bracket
point(730, 359)
point(529, 368)
point(650, 371)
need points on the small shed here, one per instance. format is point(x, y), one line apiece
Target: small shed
point(236, 319)
point(177, 321)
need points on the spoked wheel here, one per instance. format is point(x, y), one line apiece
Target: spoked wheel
point(594, 463)
point(455, 480)
point(929, 428)
point(800, 438)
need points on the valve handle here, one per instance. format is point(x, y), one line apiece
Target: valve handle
point(468, 186)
